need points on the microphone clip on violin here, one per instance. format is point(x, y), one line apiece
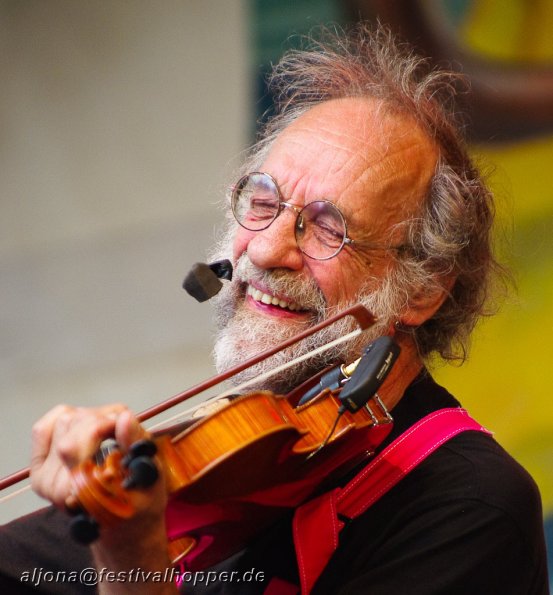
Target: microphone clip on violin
point(361, 379)
point(370, 372)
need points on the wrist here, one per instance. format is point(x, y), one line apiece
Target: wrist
point(127, 559)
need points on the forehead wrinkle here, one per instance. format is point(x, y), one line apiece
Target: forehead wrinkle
point(372, 168)
point(336, 148)
point(336, 151)
point(390, 166)
point(330, 138)
point(393, 165)
point(371, 157)
point(338, 166)
point(393, 193)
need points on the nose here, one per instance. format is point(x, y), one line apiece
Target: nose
point(276, 246)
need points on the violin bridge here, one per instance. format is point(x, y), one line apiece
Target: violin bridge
point(384, 417)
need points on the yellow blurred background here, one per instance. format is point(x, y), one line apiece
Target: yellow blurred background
point(507, 381)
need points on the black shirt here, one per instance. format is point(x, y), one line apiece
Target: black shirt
point(467, 520)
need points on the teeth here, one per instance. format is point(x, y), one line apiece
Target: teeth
point(265, 298)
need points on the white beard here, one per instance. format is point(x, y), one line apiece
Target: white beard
point(242, 334)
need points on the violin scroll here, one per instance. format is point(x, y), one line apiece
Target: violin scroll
point(102, 487)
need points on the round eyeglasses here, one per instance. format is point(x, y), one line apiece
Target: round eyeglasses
point(320, 229)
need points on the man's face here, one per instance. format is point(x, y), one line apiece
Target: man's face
point(376, 169)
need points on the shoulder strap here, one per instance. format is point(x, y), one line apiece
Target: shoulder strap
point(316, 523)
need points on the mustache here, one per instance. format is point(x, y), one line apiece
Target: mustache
point(294, 287)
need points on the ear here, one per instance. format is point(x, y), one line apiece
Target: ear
point(425, 302)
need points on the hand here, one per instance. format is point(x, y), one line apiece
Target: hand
point(67, 436)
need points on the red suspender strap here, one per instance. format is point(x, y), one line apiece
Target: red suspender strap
point(316, 524)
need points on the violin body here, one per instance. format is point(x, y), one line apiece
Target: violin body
point(233, 473)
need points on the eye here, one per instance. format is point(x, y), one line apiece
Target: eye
point(325, 223)
point(327, 234)
point(262, 207)
point(256, 201)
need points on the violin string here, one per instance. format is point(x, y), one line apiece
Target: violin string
point(227, 393)
point(237, 389)
point(15, 493)
point(260, 378)
point(289, 364)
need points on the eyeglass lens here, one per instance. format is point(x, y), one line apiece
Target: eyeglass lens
point(320, 228)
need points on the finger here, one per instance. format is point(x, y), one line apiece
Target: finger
point(78, 436)
point(128, 430)
point(55, 424)
point(42, 434)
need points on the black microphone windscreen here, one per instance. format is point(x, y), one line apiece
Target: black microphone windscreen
point(201, 282)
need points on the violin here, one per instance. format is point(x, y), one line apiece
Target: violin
point(232, 473)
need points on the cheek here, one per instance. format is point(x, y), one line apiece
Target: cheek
point(336, 283)
point(342, 279)
point(336, 292)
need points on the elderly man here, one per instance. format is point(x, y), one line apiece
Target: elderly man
point(360, 191)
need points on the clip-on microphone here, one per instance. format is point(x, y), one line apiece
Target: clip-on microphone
point(203, 280)
point(362, 383)
point(371, 371)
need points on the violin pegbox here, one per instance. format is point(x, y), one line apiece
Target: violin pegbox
point(103, 487)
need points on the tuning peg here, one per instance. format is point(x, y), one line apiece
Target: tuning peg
point(84, 529)
point(141, 448)
point(142, 473)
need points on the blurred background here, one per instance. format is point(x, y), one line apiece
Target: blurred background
point(120, 123)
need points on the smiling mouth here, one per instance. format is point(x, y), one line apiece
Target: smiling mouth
point(270, 300)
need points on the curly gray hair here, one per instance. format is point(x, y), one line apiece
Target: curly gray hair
point(451, 236)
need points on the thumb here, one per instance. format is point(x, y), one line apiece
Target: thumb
point(128, 430)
